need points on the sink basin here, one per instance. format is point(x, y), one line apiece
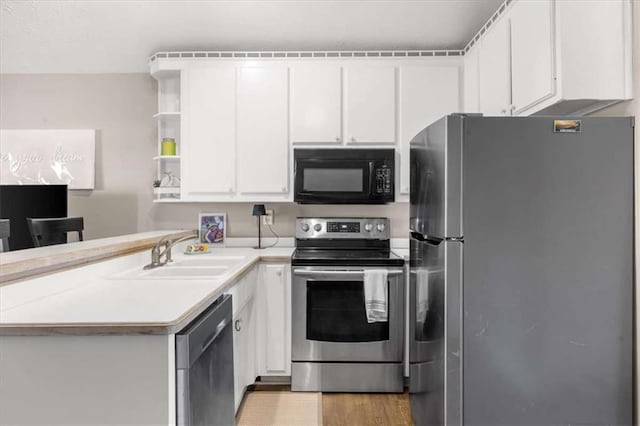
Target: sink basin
point(201, 267)
point(173, 272)
point(184, 272)
point(207, 261)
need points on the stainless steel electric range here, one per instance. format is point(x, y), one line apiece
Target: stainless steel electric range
point(335, 348)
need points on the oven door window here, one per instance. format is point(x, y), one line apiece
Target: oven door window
point(336, 313)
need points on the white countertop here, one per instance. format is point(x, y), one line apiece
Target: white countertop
point(24, 264)
point(108, 297)
point(94, 300)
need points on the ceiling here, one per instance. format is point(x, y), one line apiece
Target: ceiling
point(117, 36)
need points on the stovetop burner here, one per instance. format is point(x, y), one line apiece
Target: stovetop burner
point(343, 242)
point(314, 257)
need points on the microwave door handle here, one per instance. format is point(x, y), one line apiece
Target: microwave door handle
point(371, 177)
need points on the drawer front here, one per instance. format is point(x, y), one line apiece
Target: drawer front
point(243, 290)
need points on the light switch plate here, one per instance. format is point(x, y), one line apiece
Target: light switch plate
point(268, 218)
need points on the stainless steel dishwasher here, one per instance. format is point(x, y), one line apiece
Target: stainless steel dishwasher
point(204, 368)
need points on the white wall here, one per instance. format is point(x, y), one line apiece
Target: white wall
point(120, 107)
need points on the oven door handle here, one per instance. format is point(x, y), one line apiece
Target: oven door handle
point(347, 272)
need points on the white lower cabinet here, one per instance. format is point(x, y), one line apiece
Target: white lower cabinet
point(274, 327)
point(244, 359)
point(261, 325)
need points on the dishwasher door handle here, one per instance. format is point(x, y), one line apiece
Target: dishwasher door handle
point(331, 272)
point(219, 328)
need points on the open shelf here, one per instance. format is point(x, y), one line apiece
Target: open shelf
point(167, 200)
point(163, 190)
point(162, 115)
point(166, 157)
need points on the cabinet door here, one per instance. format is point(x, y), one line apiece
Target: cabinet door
point(316, 103)
point(495, 70)
point(248, 328)
point(426, 94)
point(532, 53)
point(208, 116)
point(275, 321)
point(471, 88)
point(263, 154)
point(370, 97)
point(239, 359)
point(244, 368)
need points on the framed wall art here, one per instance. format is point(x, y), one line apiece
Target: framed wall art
point(212, 228)
point(48, 157)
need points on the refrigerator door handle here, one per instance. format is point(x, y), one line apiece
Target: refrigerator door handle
point(426, 239)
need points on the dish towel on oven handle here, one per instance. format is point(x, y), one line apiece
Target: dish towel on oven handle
point(375, 295)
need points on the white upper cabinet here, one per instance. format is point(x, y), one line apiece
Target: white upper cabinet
point(208, 119)
point(554, 57)
point(594, 42)
point(370, 99)
point(471, 85)
point(427, 93)
point(495, 70)
point(532, 68)
point(316, 103)
point(262, 135)
point(239, 119)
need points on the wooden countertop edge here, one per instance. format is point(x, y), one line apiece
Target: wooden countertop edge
point(31, 268)
point(135, 329)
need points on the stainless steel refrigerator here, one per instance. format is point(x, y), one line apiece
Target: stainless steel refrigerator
point(522, 273)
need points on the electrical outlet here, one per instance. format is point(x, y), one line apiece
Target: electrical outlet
point(268, 218)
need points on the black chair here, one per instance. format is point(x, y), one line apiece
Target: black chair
point(5, 233)
point(48, 232)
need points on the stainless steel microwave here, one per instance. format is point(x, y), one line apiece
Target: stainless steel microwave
point(344, 176)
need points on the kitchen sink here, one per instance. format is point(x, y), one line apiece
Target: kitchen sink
point(173, 272)
point(208, 261)
point(185, 267)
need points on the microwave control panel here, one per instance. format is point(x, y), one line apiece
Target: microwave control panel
point(384, 181)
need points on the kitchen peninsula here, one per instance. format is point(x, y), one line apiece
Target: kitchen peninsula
point(87, 336)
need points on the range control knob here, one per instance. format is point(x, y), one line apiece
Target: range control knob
point(380, 227)
point(317, 227)
point(304, 227)
point(368, 227)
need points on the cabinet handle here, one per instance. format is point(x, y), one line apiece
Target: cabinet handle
point(284, 189)
point(230, 189)
point(238, 325)
point(503, 111)
point(279, 273)
point(353, 139)
point(338, 139)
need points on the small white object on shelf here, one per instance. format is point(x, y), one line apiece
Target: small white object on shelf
point(166, 157)
point(163, 190)
point(167, 115)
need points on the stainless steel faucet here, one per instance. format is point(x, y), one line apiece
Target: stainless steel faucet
point(157, 254)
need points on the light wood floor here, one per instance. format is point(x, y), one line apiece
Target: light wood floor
point(366, 409)
point(267, 408)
